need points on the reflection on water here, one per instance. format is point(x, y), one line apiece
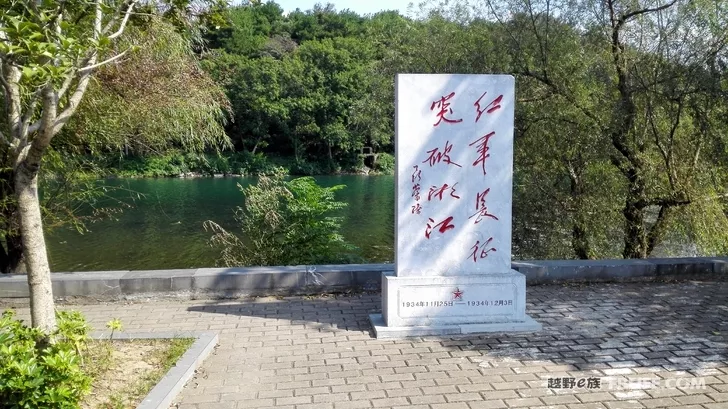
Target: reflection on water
point(164, 228)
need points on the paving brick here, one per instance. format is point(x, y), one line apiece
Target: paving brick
point(427, 399)
point(508, 386)
point(463, 397)
point(523, 402)
point(659, 403)
point(624, 404)
point(348, 388)
point(478, 387)
point(500, 395)
point(276, 393)
point(437, 390)
point(331, 397)
point(594, 397)
point(693, 399)
point(453, 405)
point(719, 397)
point(586, 406)
point(563, 399)
point(488, 404)
point(294, 400)
point(312, 391)
point(293, 385)
point(394, 393)
point(356, 404)
point(388, 402)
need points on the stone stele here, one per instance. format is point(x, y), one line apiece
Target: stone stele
point(454, 151)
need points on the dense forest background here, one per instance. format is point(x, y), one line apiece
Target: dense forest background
point(621, 139)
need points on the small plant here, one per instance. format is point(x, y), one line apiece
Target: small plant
point(38, 370)
point(114, 325)
point(284, 223)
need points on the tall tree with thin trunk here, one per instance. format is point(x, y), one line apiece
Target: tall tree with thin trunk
point(49, 51)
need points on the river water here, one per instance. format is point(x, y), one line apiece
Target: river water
point(163, 229)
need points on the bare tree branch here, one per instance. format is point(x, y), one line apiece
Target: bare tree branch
point(73, 102)
point(122, 25)
point(107, 61)
point(623, 19)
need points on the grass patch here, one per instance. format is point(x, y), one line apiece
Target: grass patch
point(125, 371)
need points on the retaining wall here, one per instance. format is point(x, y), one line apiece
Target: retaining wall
point(257, 281)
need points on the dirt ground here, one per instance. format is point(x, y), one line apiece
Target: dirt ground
point(124, 372)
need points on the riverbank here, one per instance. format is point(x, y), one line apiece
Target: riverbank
point(187, 165)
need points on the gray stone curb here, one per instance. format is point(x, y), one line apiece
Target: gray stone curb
point(302, 280)
point(162, 395)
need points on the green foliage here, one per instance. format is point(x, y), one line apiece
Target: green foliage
point(384, 163)
point(317, 99)
point(158, 99)
point(38, 372)
point(284, 223)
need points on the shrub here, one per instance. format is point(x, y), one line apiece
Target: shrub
point(37, 371)
point(284, 223)
point(249, 163)
point(303, 167)
point(384, 163)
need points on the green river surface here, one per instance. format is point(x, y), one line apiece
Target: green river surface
point(163, 229)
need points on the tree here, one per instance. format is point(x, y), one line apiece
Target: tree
point(620, 131)
point(158, 99)
point(49, 52)
point(642, 81)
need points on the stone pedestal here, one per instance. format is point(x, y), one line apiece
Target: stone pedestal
point(419, 306)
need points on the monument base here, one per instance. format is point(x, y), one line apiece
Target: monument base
point(452, 305)
point(382, 331)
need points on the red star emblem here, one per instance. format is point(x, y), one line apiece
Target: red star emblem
point(457, 294)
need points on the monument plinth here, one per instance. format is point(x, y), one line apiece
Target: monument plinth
point(454, 178)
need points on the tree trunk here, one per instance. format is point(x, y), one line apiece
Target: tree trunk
point(635, 240)
point(39, 278)
point(579, 236)
point(580, 241)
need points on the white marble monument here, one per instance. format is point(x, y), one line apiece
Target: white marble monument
point(454, 154)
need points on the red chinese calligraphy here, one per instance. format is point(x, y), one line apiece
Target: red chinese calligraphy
point(442, 227)
point(493, 106)
point(483, 149)
point(417, 174)
point(439, 191)
point(416, 191)
point(436, 156)
point(481, 208)
point(416, 209)
point(444, 109)
point(483, 250)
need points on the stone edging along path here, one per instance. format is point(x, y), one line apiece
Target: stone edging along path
point(292, 280)
point(167, 389)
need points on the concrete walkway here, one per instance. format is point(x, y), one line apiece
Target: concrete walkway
point(613, 346)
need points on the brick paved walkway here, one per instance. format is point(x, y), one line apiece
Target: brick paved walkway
point(639, 340)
